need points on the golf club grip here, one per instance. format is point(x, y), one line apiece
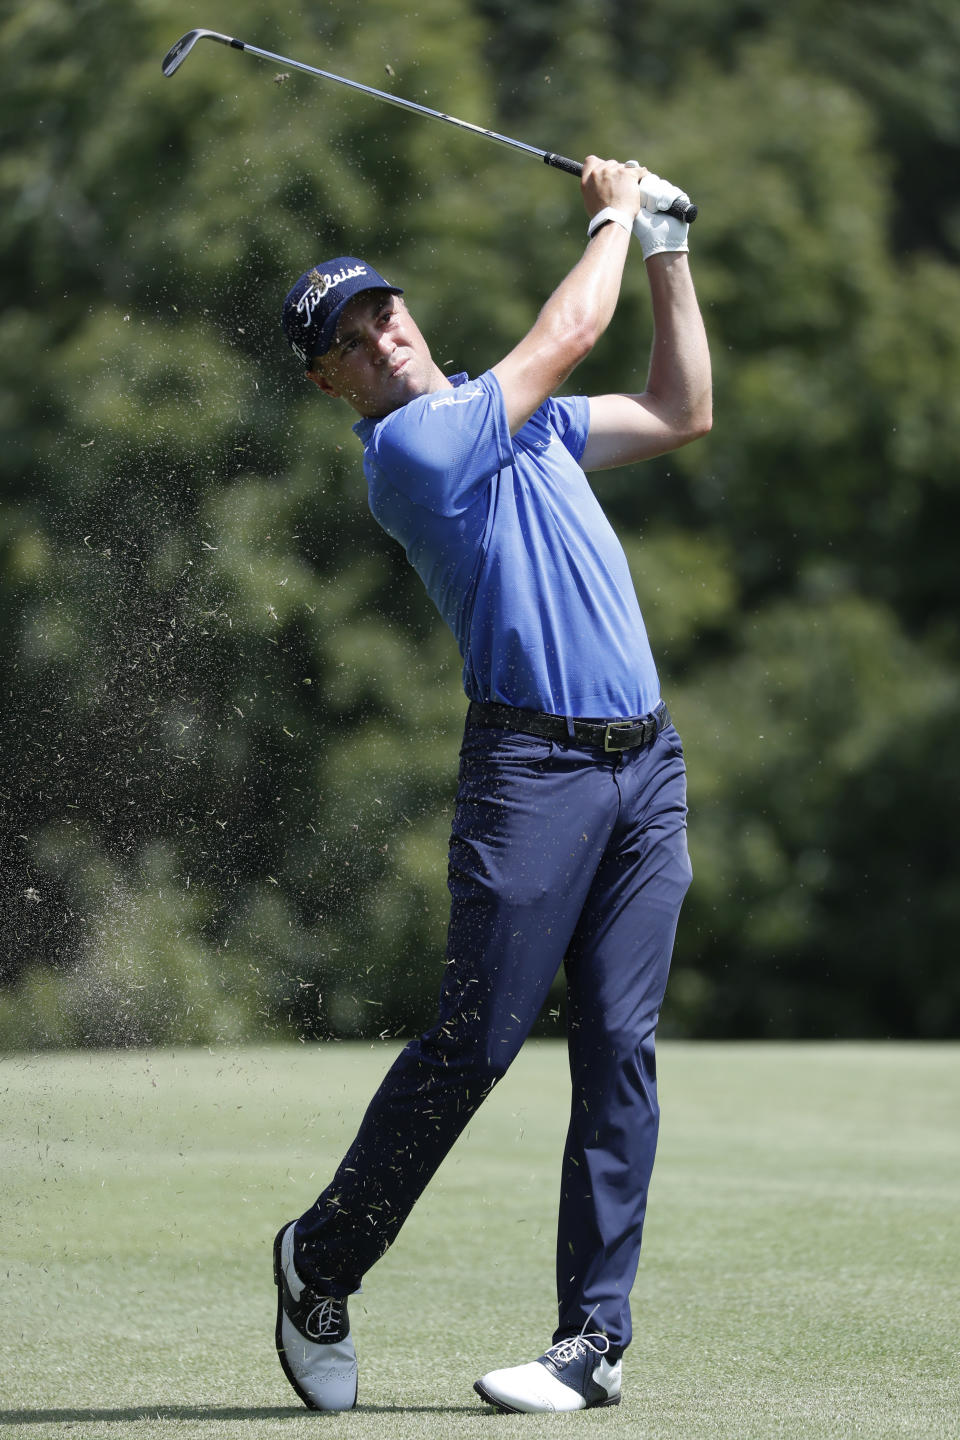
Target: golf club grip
point(683, 210)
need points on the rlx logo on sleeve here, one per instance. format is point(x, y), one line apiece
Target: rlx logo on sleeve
point(458, 398)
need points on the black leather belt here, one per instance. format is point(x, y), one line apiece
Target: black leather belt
point(605, 734)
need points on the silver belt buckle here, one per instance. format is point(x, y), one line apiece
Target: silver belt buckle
point(615, 728)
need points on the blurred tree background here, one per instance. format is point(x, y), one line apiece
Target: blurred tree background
point(231, 716)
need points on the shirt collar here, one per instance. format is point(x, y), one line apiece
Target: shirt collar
point(366, 425)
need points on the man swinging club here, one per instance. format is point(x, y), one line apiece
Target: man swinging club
point(569, 835)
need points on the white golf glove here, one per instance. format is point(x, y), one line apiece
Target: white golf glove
point(659, 233)
point(656, 231)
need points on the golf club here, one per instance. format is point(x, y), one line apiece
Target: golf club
point(175, 56)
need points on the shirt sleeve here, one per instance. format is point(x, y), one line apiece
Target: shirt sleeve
point(441, 450)
point(570, 419)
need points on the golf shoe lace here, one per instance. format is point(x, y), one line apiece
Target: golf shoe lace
point(325, 1319)
point(566, 1350)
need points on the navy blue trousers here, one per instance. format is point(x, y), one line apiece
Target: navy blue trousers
point(559, 855)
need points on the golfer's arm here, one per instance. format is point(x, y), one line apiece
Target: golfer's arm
point(676, 406)
point(567, 328)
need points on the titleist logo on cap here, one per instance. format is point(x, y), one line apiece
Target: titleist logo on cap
point(313, 306)
point(322, 285)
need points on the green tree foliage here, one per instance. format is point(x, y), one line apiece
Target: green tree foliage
point(231, 714)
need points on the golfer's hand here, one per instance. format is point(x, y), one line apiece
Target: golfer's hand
point(657, 194)
point(608, 185)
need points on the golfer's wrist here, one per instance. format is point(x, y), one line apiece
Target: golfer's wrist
point(608, 216)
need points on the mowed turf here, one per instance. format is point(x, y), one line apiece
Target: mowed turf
point(801, 1269)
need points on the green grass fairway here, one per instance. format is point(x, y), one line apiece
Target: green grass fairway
point(801, 1271)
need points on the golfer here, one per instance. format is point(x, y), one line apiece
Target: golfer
point(568, 843)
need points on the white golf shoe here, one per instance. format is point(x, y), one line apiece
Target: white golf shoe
point(313, 1336)
point(574, 1374)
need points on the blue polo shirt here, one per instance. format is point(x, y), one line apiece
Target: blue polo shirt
point(514, 549)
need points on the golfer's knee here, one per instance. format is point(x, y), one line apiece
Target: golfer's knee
point(479, 1058)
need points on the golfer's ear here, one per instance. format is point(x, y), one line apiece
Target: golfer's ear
point(321, 381)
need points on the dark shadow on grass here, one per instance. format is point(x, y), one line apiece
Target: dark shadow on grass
point(217, 1412)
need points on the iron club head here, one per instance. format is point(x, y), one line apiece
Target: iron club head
point(177, 53)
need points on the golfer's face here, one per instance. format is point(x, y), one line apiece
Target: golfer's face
point(378, 360)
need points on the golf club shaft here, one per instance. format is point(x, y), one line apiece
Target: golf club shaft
point(683, 210)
